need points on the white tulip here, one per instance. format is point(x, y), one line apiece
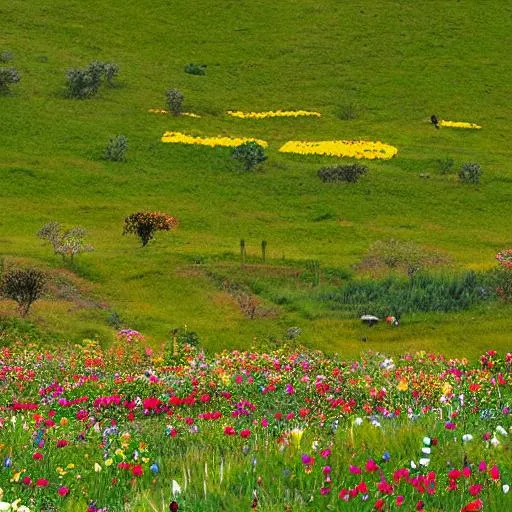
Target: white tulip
point(506, 488)
point(358, 421)
point(467, 437)
point(426, 450)
point(424, 462)
point(176, 489)
point(501, 430)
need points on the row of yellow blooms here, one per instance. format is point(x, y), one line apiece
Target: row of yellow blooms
point(277, 113)
point(347, 148)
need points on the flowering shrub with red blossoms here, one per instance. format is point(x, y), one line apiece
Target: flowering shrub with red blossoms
point(89, 429)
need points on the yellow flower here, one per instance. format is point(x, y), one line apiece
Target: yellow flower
point(70, 466)
point(403, 385)
point(277, 113)
point(97, 467)
point(109, 462)
point(348, 148)
point(161, 111)
point(447, 388)
point(145, 460)
point(181, 138)
point(296, 435)
point(459, 124)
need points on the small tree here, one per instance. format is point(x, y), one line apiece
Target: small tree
point(146, 224)
point(250, 154)
point(67, 243)
point(116, 149)
point(24, 286)
point(174, 101)
point(470, 173)
point(8, 76)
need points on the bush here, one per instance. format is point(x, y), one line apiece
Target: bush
point(146, 224)
point(347, 111)
point(470, 173)
point(250, 154)
point(6, 56)
point(84, 83)
point(66, 243)
point(349, 173)
point(116, 149)
point(195, 69)
point(8, 76)
point(445, 165)
point(174, 101)
point(24, 286)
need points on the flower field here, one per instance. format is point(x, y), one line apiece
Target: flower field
point(459, 124)
point(342, 148)
point(132, 428)
point(276, 113)
point(181, 138)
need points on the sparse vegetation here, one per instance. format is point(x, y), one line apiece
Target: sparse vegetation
point(174, 100)
point(8, 77)
point(470, 173)
point(116, 149)
point(349, 173)
point(195, 69)
point(23, 285)
point(68, 243)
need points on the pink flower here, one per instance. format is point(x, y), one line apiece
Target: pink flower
point(325, 490)
point(495, 472)
point(399, 501)
point(355, 470)
point(230, 431)
point(63, 491)
point(42, 482)
point(325, 453)
point(245, 433)
point(371, 465)
point(482, 466)
point(450, 426)
point(475, 489)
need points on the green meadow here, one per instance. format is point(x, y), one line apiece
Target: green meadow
point(374, 70)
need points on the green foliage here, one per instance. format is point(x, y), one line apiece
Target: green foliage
point(312, 273)
point(349, 173)
point(8, 76)
point(195, 69)
point(249, 154)
point(470, 172)
point(85, 83)
point(174, 100)
point(6, 56)
point(114, 320)
point(116, 149)
point(146, 224)
point(348, 111)
point(24, 286)
point(421, 293)
point(445, 165)
point(67, 243)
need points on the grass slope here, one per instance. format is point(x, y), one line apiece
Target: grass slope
point(397, 61)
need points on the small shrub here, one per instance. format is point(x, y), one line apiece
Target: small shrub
point(146, 224)
point(24, 286)
point(293, 333)
point(6, 56)
point(349, 173)
point(67, 243)
point(348, 111)
point(445, 165)
point(114, 320)
point(195, 69)
point(8, 76)
point(249, 154)
point(116, 149)
point(84, 83)
point(174, 100)
point(470, 172)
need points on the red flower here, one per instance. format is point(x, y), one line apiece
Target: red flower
point(474, 387)
point(245, 433)
point(37, 456)
point(26, 480)
point(61, 443)
point(229, 431)
point(42, 482)
point(473, 506)
point(379, 504)
point(63, 491)
point(495, 472)
point(371, 465)
point(137, 470)
point(475, 489)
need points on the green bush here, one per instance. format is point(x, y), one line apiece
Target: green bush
point(85, 83)
point(174, 100)
point(349, 173)
point(195, 69)
point(470, 172)
point(8, 76)
point(445, 165)
point(116, 149)
point(24, 286)
point(6, 56)
point(249, 154)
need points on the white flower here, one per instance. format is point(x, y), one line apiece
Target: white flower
point(467, 437)
point(424, 462)
point(506, 488)
point(4, 505)
point(427, 441)
point(23, 508)
point(426, 450)
point(314, 445)
point(97, 467)
point(413, 465)
point(358, 421)
point(176, 489)
point(494, 441)
point(501, 430)
point(376, 423)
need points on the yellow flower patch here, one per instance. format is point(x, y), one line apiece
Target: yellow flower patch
point(162, 111)
point(459, 124)
point(342, 148)
point(181, 138)
point(277, 113)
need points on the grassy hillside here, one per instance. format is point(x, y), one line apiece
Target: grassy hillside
point(394, 62)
